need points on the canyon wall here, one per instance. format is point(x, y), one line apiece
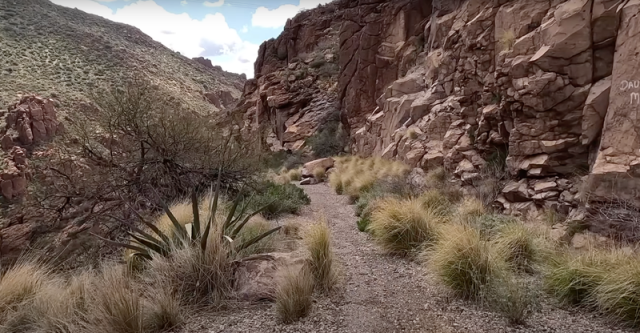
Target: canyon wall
point(549, 88)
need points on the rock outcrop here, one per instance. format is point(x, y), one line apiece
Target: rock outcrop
point(547, 88)
point(30, 121)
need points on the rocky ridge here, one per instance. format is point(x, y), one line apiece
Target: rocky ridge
point(545, 87)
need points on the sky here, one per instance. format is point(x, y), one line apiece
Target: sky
point(229, 32)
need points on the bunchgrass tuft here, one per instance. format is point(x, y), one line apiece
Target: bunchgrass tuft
point(619, 293)
point(519, 246)
point(317, 239)
point(400, 226)
point(463, 261)
point(573, 277)
point(21, 283)
point(512, 297)
point(294, 295)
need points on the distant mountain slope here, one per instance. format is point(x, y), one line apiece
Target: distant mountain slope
point(52, 50)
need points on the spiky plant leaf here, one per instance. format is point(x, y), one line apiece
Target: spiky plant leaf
point(195, 227)
point(256, 239)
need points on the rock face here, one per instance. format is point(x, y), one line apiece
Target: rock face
point(30, 121)
point(551, 86)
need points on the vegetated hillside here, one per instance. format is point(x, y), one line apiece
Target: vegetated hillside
point(56, 51)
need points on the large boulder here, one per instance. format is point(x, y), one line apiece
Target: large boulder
point(255, 277)
point(322, 163)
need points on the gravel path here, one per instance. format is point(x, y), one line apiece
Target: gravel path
point(380, 293)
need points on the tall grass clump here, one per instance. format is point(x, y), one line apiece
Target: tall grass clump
point(115, 303)
point(197, 278)
point(21, 283)
point(519, 246)
point(512, 297)
point(355, 175)
point(400, 226)
point(434, 200)
point(619, 293)
point(295, 174)
point(294, 295)
point(164, 310)
point(256, 226)
point(573, 277)
point(317, 239)
point(469, 210)
point(463, 261)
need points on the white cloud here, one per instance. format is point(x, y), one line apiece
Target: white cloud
point(245, 29)
point(184, 2)
point(210, 37)
point(218, 3)
point(276, 18)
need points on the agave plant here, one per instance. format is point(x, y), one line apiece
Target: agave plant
point(145, 244)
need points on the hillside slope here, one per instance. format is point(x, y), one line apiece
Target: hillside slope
point(56, 51)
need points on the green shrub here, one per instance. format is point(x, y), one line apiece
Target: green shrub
point(330, 138)
point(519, 246)
point(279, 199)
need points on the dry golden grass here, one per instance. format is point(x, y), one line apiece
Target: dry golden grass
point(469, 210)
point(196, 278)
point(22, 283)
point(163, 310)
point(507, 40)
point(317, 239)
point(115, 303)
point(294, 295)
point(399, 226)
point(319, 174)
point(435, 201)
point(462, 260)
point(295, 174)
point(355, 175)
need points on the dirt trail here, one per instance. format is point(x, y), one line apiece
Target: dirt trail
point(379, 293)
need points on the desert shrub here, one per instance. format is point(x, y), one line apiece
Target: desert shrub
point(618, 294)
point(401, 226)
point(490, 224)
point(573, 278)
point(279, 199)
point(519, 246)
point(356, 177)
point(514, 298)
point(294, 295)
point(463, 261)
point(335, 181)
point(318, 242)
point(330, 138)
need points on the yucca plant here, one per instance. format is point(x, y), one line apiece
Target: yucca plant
point(144, 244)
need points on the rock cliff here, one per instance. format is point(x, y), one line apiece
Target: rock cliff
point(548, 88)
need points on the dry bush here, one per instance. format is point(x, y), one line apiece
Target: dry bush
point(294, 295)
point(463, 261)
point(318, 241)
point(335, 182)
point(401, 226)
point(355, 176)
point(572, 278)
